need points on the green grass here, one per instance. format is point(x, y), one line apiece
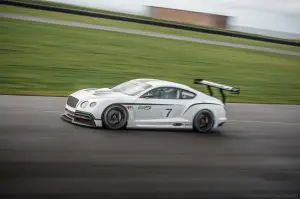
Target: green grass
point(107, 22)
point(71, 6)
point(45, 59)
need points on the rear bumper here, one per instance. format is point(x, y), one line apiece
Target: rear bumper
point(220, 122)
point(80, 118)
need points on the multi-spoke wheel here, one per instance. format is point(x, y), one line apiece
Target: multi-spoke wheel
point(115, 117)
point(204, 121)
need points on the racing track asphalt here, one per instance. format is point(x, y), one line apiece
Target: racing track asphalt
point(256, 154)
point(145, 33)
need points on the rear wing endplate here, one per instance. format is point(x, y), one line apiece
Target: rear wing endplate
point(221, 88)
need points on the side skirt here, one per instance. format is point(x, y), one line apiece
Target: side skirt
point(165, 126)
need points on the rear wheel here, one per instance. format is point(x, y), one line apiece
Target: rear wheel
point(204, 121)
point(115, 117)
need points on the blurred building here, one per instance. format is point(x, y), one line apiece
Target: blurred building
point(183, 16)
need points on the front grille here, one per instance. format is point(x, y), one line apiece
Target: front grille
point(69, 113)
point(72, 101)
point(84, 118)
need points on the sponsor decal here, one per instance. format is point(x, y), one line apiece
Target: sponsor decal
point(145, 107)
point(129, 107)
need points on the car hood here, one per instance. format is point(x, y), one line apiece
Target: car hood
point(100, 93)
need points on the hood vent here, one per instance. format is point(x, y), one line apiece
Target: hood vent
point(103, 91)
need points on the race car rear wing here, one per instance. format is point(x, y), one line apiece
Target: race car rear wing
point(221, 88)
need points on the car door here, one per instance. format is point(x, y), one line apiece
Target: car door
point(159, 106)
point(183, 100)
point(149, 109)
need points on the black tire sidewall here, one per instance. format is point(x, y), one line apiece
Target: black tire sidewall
point(114, 127)
point(196, 124)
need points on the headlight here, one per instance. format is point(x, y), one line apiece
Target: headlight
point(93, 104)
point(84, 104)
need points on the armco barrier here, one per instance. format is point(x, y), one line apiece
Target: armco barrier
point(149, 22)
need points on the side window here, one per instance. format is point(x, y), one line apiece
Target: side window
point(163, 93)
point(186, 94)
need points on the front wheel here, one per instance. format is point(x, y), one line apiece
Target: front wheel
point(204, 121)
point(115, 117)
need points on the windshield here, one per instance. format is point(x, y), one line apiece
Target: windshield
point(132, 87)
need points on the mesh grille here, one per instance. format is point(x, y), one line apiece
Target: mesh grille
point(72, 101)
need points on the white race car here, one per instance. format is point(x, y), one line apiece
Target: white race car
point(148, 103)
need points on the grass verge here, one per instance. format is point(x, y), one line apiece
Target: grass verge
point(45, 59)
point(121, 24)
point(72, 6)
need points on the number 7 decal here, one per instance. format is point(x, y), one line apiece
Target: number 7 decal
point(168, 109)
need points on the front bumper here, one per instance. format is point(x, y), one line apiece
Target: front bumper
point(80, 118)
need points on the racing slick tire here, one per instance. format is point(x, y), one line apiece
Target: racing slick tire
point(115, 117)
point(203, 121)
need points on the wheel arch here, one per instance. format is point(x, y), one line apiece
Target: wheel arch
point(114, 104)
point(191, 111)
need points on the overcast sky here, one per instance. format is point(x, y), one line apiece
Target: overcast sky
point(280, 15)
